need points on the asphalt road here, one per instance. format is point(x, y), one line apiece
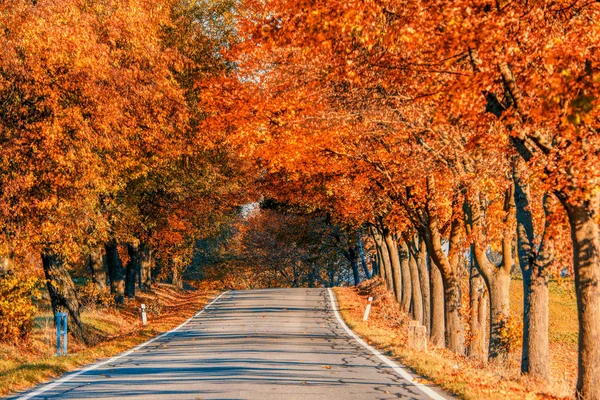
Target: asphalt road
point(258, 344)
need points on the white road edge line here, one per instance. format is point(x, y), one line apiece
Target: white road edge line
point(128, 352)
point(399, 370)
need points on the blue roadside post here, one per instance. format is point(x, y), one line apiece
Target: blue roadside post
point(61, 333)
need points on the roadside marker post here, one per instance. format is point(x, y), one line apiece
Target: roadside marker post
point(60, 321)
point(368, 310)
point(144, 320)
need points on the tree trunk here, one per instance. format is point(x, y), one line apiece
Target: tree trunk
point(535, 356)
point(116, 272)
point(375, 264)
point(585, 234)
point(177, 278)
point(62, 292)
point(448, 266)
point(477, 347)
point(384, 257)
point(97, 264)
point(145, 265)
point(395, 264)
point(331, 276)
point(419, 252)
point(497, 278)
point(406, 297)
point(499, 291)
point(438, 322)
point(133, 266)
point(361, 252)
point(417, 298)
point(353, 258)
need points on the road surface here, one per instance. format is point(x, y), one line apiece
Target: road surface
point(256, 344)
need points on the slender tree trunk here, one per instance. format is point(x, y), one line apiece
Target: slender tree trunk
point(384, 257)
point(98, 267)
point(61, 289)
point(133, 265)
point(395, 264)
point(417, 298)
point(421, 257)
point(455, 339)
point(448, 266)
point(361, 252)
point(499, 291)
point(375, 263)
point(477, 347)
point(535, 356)
point(497, 278)
point(177, 278)
point(145, 265)
point(331, 276)
point(116, 272)
point(585, 234)
point(405, 275)
point(353, 258)
point(380, 266)
point(438, 321)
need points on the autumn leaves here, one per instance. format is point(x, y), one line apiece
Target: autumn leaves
point(470, 126)
point(101, 150)
point(447, 128)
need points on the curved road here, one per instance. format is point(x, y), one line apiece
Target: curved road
point(256, 344)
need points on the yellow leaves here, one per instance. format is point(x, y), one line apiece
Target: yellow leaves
point(16, 305)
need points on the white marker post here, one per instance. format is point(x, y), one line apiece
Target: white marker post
point(144, 321)
point(368, 310)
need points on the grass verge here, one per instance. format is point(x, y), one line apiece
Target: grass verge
point(23, 365)
point(462, 376)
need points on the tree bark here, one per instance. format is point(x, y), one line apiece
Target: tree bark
point(438, 322)
point(375, 264)
point(535, 356)
point(419, 252)
point(477, 347)
point(361, 252)
point(405, 275)
point(116, 272)
point(386, 265)
point(133, 266)
point(417, 298)
point(353, 258)
point(145, 265)
point(448, 267)
point(585, 234)
point(497, 278)
point(394, 263)
point(177, 279)
point(61, 289)
point(97, 264)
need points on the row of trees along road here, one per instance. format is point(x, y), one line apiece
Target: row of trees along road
point(102, 154)
point(278, 245)
point(440, 128)
point(449, 128)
